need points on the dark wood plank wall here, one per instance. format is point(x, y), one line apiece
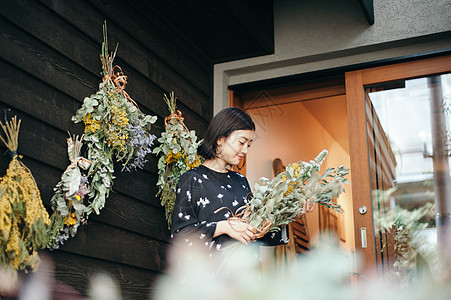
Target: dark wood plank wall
point(49, 61)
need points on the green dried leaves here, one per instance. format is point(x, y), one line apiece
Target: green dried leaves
point(115, 128)
point(280, 200)
point(67, 200)
point(89, 103)
point(178, 153)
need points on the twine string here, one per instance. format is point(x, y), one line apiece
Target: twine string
point(13, 154)
point(177, 116)
point(119, 81)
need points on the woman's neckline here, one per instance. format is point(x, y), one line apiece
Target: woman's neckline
point(214, 171)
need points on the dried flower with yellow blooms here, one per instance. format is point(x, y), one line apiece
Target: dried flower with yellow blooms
point(115, 128)
point(23, 218)
point(178, 154)
point(67, 201)
point(279, 201)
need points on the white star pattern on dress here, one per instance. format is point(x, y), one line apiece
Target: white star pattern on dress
point(203, 202)
point(197, 190)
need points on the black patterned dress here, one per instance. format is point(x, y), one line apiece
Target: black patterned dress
point(200, 193)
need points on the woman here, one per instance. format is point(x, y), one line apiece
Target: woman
point(207, 196)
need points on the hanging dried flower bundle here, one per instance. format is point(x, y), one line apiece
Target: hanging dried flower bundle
point(114, 128)
point(23, 218)
point(178, 153)
point(279, 201)
point(67, 201)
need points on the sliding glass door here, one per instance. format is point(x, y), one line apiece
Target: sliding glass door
point(400, 129)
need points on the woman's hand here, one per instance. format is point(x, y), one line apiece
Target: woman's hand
point(306, 208)
point(237, 230)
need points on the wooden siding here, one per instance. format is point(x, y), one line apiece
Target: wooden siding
point(49, 61)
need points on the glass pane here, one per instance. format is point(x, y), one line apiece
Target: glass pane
point(407, 130)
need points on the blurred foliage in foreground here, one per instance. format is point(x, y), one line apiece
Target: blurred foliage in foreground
point(325, 273)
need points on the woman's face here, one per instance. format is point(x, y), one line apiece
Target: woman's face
point(235, 146)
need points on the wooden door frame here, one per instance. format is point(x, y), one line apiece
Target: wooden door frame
point(234, 101)
point(358, 149)
point(355, 82)
point(288, 94)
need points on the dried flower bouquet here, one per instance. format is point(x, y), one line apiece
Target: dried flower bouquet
point(67, 201)
point(23, 218)
point(178, 153)
point(114, 128)
point(279, 201)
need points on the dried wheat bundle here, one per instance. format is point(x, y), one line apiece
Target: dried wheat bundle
point(23, 218)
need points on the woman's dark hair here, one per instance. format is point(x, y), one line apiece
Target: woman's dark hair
point(223, 124)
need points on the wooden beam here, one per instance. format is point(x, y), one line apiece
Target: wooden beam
point(258, 20)
point(368, 9)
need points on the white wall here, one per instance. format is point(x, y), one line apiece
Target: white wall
point(324, 34)
point(300, 131)
point(306, 27)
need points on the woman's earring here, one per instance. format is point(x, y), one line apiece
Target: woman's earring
point(220, 151)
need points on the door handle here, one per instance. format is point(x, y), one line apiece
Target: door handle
point(363, 236)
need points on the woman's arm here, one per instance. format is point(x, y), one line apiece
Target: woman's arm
point(237, 230)
point(185, 217)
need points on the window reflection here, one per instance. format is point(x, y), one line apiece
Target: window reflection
point(408, 145)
